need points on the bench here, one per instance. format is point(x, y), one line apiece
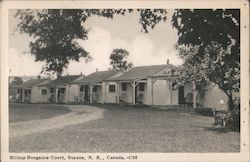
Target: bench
point(220, 118)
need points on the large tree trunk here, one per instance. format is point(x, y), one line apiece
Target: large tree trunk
point(229, 95)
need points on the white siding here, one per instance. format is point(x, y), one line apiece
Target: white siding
point(74, 91)
point(111, 97)
point(97, 96)
point(126, 95)
point(212, 98)
point(36, 94)
point(161, 93)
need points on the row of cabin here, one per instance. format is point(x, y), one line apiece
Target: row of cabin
point(149, 85)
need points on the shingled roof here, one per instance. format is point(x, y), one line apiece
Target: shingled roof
point(32, 82)
point(96, 77)
point(139, 72)
point(62, 80)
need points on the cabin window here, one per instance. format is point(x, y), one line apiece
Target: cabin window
point(27, 92)
point(111, 88)
point(141, 87)
point(124, 86)
point(51, 90)
point(81, 88)
point(44, 92)
point(62, 90)
point(94, 88)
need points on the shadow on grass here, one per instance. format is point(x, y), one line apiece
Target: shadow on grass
point(216, 129)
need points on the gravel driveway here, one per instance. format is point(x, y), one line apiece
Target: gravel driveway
point(78, 114)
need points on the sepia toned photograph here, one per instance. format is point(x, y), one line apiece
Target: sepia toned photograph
point(123, 80)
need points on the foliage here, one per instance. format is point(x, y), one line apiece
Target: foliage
point(209, 42)
point(119, 61)
point(201, 26)
point(190, 72)
point(55, 32)
point(204, 111)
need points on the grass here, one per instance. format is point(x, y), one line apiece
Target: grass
point(25, 112)
point(133, 129)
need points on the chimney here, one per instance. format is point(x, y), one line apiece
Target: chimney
point(96, 69)
point(81, 73)
point(167, 61)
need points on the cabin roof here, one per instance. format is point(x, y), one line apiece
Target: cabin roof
point(61, 80)
point(32, 82)
point(96, 77)
point(140, 72)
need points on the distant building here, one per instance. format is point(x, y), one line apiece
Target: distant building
point(59, 90)
point(91, 89)
point(150, 85)
point(30, 92)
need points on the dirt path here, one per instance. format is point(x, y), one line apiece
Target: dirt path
point(79, 114)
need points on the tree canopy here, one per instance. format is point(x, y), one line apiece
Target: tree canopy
point(209, 42)
point(56, 32)
point(119, 61)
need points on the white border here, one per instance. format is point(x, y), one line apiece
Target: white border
point(242, 4)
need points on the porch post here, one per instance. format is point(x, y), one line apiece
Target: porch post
point(67, 94)
point(91, 93)
point(23, 96)
point(133, 93)
point(118, 92)
point(56, 95)
point(152, 92)
point(79, 93)
point(194, 95)
point(103, 92)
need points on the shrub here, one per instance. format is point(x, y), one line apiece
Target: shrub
point(204, 111)
point(233, 117)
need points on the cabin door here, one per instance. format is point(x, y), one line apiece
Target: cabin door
point(21, 95)
point(86, 93)
point(181, 98)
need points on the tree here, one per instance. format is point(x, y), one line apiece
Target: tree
point(215, 36)
point(119, 61)
point(56, 32)
point(189, 72)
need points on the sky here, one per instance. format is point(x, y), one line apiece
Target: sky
point(104, 35)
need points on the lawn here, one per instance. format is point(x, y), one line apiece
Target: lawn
point(133, 129)
point(25, 112)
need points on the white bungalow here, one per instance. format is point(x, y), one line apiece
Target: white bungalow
point(150, 85)
point(154, 85)
point(59, 90)
point(30, 91)
point(92, 88)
